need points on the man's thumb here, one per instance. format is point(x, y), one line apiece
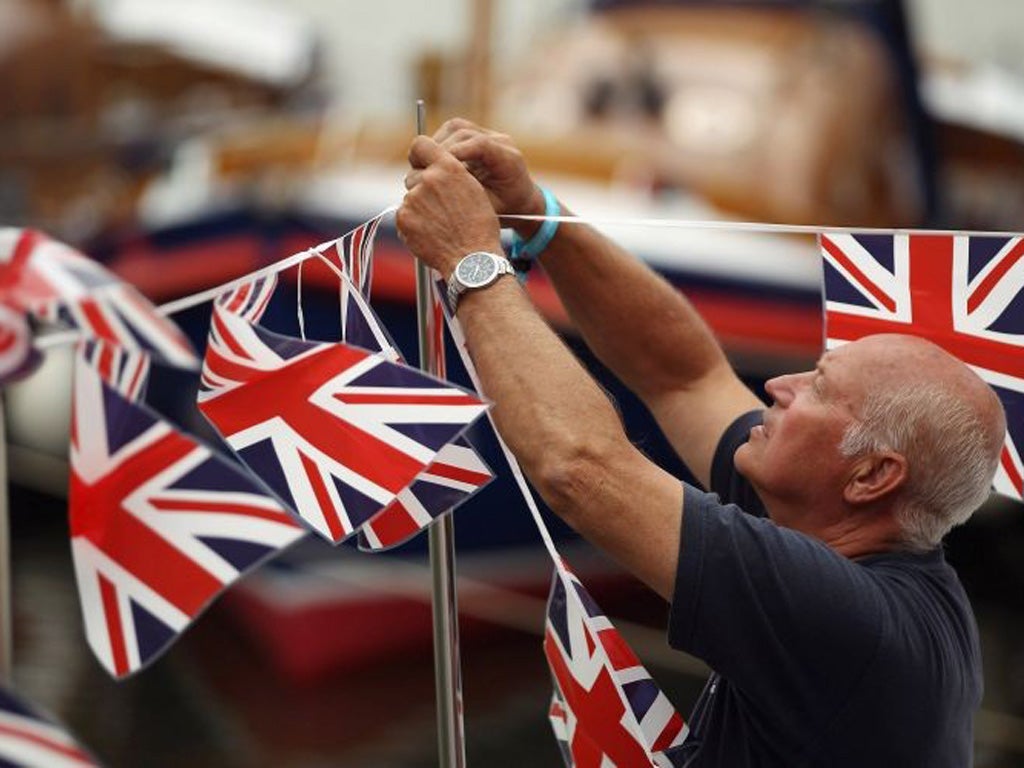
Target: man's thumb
point(424, 151)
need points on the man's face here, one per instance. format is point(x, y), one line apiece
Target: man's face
point(794, 457)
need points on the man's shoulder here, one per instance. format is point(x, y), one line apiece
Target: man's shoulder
point(916, 573)
point(924, 580)
point(928, 612)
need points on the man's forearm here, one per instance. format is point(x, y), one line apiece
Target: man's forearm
point(546, 406)
point(644, 330)
point(568, 436)
point(652, 338)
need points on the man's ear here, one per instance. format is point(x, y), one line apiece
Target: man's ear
point(875, 476)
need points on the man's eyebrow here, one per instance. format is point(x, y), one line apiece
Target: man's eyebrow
point(819, 379)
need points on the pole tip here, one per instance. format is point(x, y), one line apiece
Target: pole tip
point(421, 116)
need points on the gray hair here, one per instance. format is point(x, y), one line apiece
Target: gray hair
point(948, 451)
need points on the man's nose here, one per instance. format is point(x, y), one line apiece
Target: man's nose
point(782, 388)
point(774, 386)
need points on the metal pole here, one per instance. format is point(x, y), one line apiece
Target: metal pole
point(451, 739)
point(6, 591)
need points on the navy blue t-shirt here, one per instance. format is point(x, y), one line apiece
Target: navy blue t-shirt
point(818, 660)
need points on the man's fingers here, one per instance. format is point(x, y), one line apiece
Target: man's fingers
point(453, 126)
point(412, 178)
point(424, 151)
point(470, 149)
point(460, 137)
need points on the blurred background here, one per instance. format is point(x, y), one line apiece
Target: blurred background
point(188, 142)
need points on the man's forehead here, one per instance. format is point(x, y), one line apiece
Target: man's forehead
point(875, 348)
point(829, 357)
point(841, 373)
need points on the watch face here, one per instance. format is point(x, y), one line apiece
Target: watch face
point(476, 269)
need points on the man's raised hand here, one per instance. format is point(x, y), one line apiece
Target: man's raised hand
point(446, 212)
point(496, 163)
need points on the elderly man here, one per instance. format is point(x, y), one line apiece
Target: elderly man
point(838, 634)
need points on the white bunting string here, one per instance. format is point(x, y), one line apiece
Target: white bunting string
point(751, 226)
point(298, 303)
point(187, 302)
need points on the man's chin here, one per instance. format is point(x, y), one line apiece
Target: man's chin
point(742, 460)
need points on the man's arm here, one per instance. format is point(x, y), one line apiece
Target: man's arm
point(650, 336)
point(644, 330)
point(554, 417)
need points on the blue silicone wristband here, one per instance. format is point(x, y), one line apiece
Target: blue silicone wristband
point(525, 251)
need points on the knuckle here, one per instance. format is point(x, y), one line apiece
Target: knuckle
point(449, 163)
point(430, 179)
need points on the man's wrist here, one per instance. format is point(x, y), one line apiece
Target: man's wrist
point(535, 206)
point(525, 252)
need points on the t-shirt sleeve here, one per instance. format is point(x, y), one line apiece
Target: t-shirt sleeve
point(776, 612)
point(729, 484)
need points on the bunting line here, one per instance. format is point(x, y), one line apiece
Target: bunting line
point(187, 302)
point(300, 315)
point(751, 226)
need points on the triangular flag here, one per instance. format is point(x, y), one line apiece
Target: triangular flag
point(160, 525)
point(607, 710)
point(335, 431)
point(57, 283)
point(30, 739)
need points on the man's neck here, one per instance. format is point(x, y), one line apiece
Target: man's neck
point(862, 542)
point(851, 533)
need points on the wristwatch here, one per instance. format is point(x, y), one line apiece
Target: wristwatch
point(475, 270)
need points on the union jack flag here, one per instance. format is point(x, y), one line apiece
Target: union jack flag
point(456, 474)
point(250, 300)
point(335, 431)
point(30, 740)
point(606, 709)
point(360, 327)
point(124, 370)
point(436, 322)
point(18, 357)
point(355, 252)
point(58, 284)
point(963, 293)
point(159, 524)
